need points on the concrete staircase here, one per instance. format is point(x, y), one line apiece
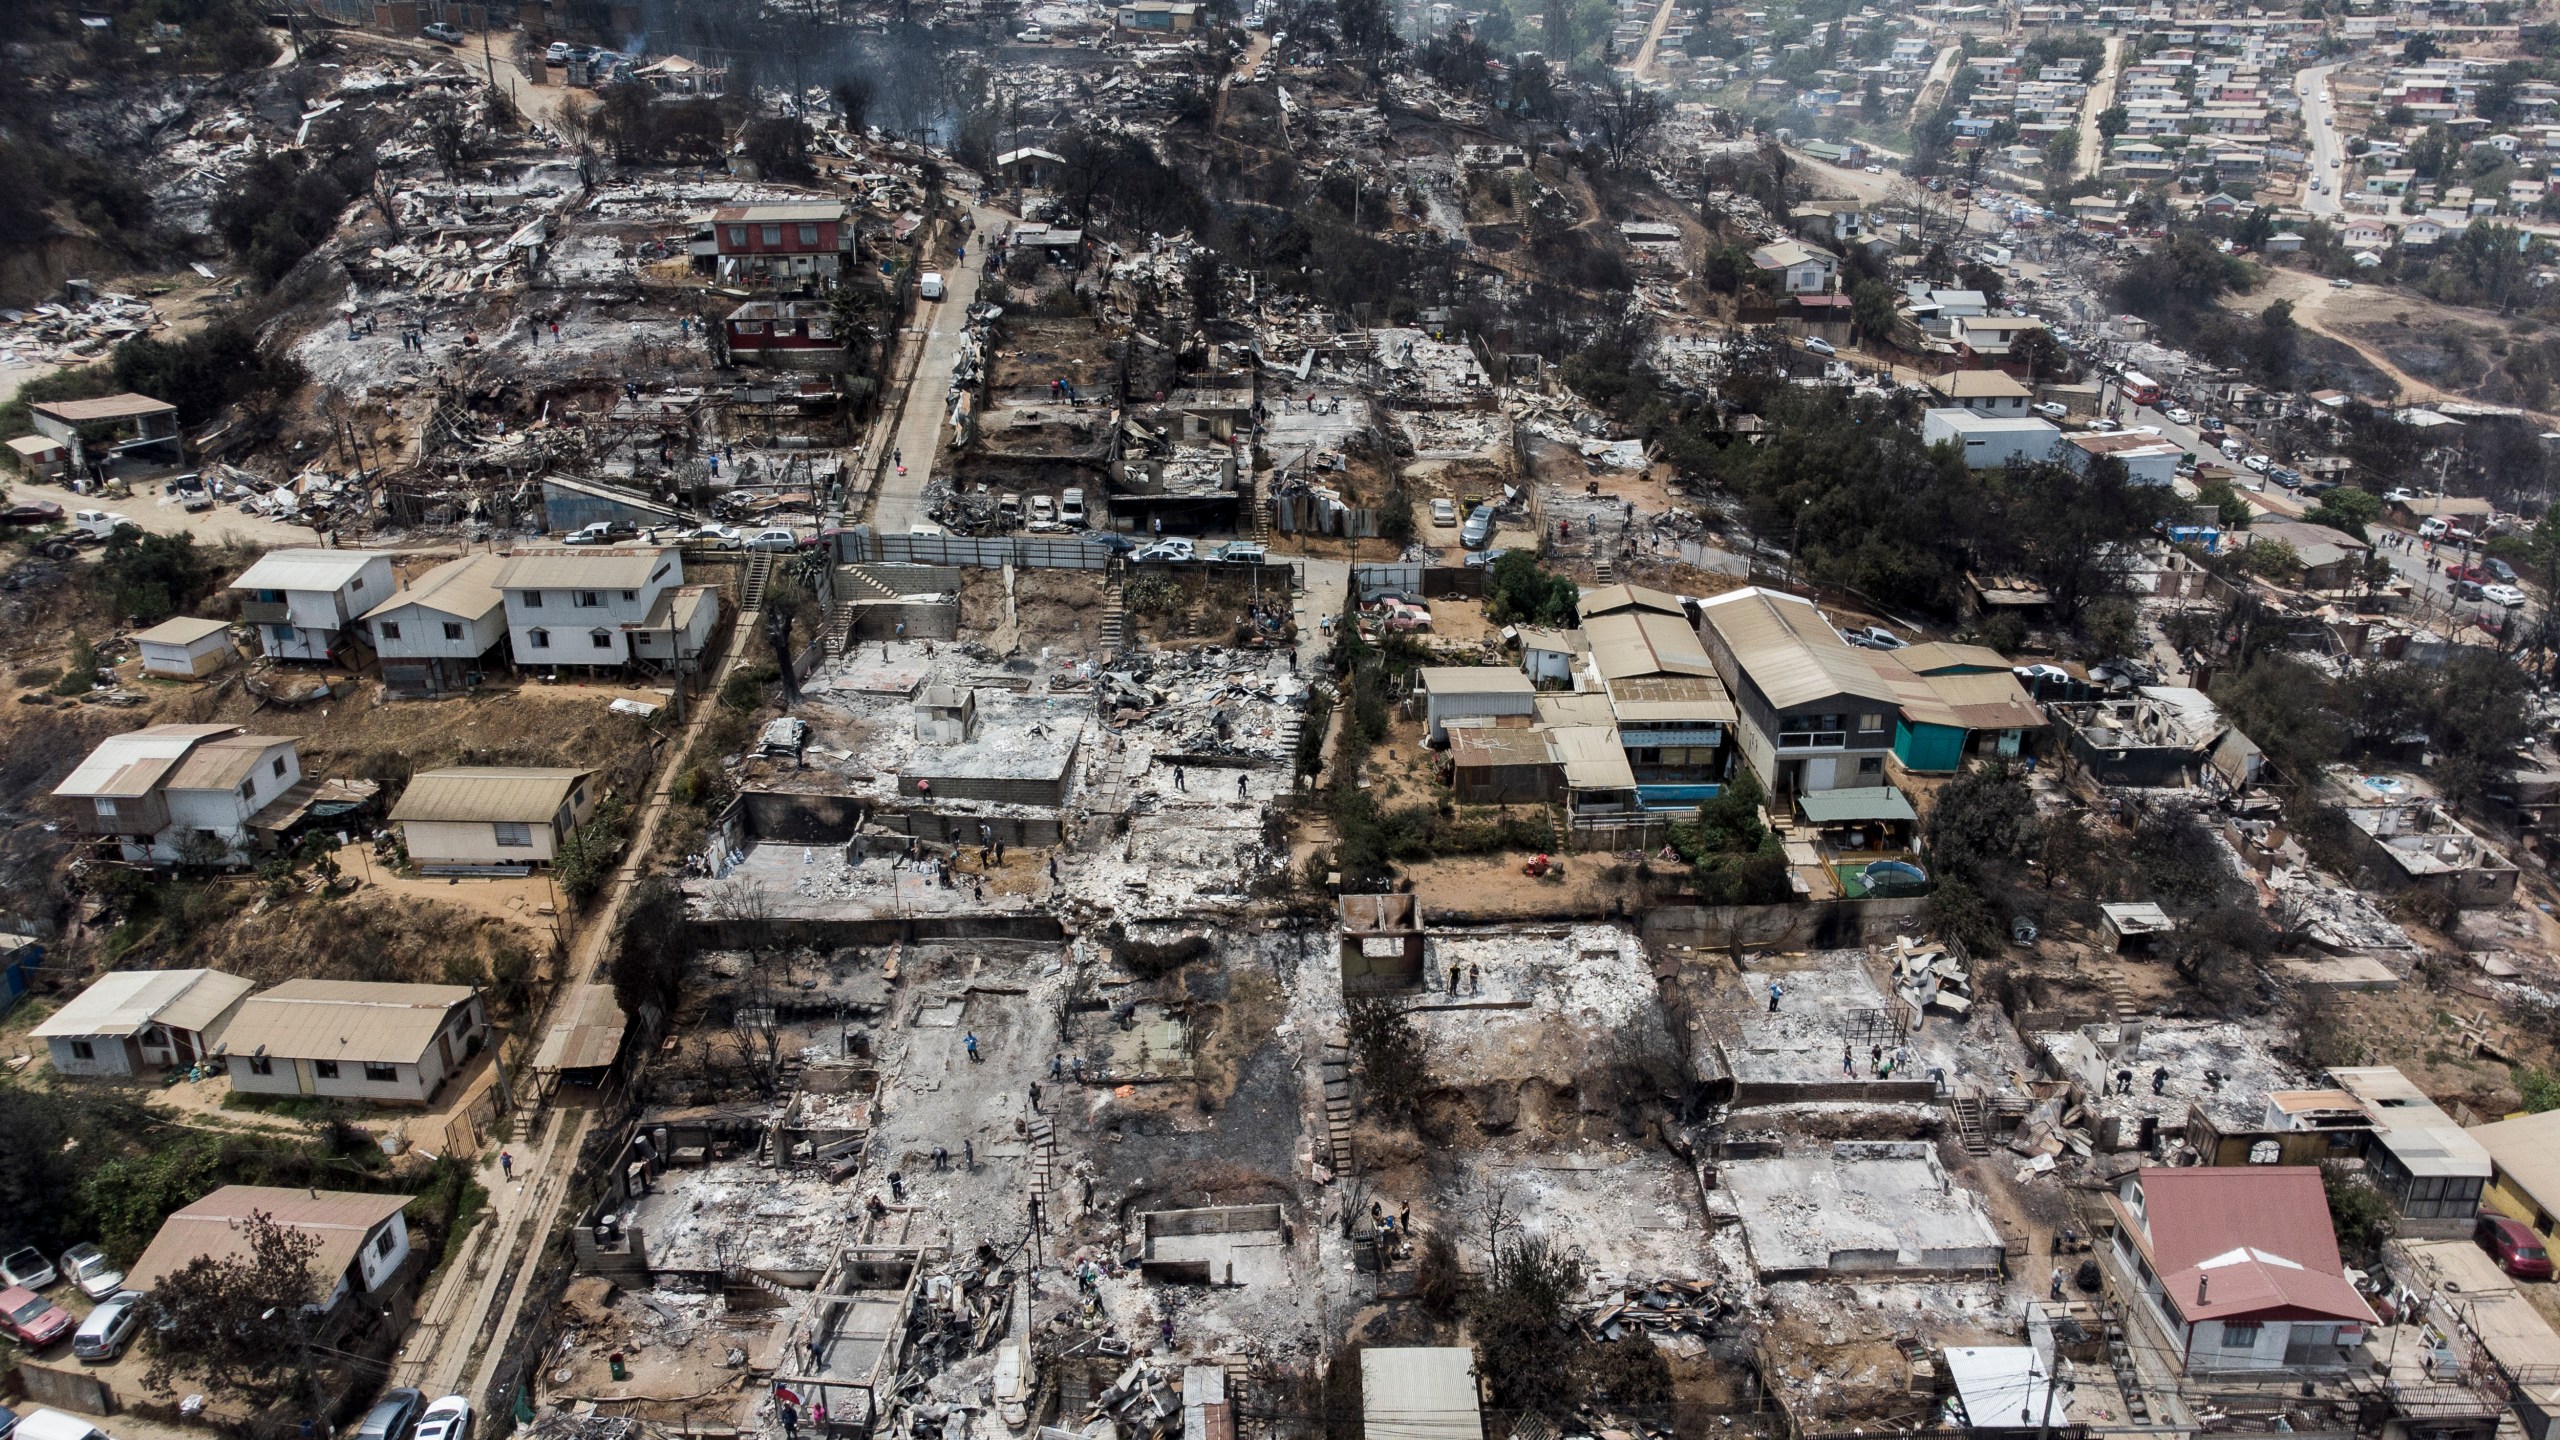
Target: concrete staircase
point(759, 575)
point(1257, 510)
point(855, 588)
point(1604, 573)
point(2119, 998)
point(1335, 1068)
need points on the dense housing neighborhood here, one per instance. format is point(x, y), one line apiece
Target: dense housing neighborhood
point(1279, 720)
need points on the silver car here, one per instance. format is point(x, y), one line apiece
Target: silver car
point(91, 1270)
point(109, 1328)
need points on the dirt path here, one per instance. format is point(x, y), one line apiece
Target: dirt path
point(2313, 299)
point(2102, 93)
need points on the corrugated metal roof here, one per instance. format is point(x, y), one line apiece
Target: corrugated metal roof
point(185, 630)
point(217, 1226)
point(1994, 701)
point(133, 764)
point(1633, 643)
point(1479, 745)
point(1859, 802)
point(223, 764)
point(1474, 680)
point(2528, 1149)
point(125, 1002)
point(601, 568)
point(306, 569)
point(466, 587)
point(105, 407)
point(1588, 708)
point(347, 1020)
point(590, 1035)
point(1936, 656)
point(1789, 651)
point(474, 793)
point(1591, 756)
point(1610, 599)
point(1978, 385)
point(1671, 699)
point(1420, 1393)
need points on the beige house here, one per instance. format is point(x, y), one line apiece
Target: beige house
point(354, 1039)
point(477, 815)
point(131, 1022)
point(186, 648)
point(362, 1239)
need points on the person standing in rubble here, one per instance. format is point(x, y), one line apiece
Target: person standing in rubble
point(969, 1042)
point(1775, 990)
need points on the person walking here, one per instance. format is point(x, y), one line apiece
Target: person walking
point(1775, 990)
point(1178, 782)
point(507, 1164)
point(1240, 787)
point(790, 1420)
point(1035, 1095)
point(970, 1042)
point(1453, 979)
point(897, 1187)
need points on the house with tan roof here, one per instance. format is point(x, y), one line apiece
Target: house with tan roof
point(199, 794)
point(354, 1039)
point(604, 607)
point(1810, 712)
point(305, 603)
point(129, 1022)
point(475, 816)
point(361, 1240)
point(436, 632)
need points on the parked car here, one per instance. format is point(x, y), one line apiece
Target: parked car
point(2180, 415)
point(43, 1424)
point(391, 1417)
point(109, 1328)
point(2051, 411)
point(1112, 541)
point(779, 537)
point(36, 1321)
point(1479, 527)
point(446, 1419)
point(929, 285)
point(1044, 512)
point(2468, 590)
point(31, 512)
point(714, 537)
point(2514, 1246)
point(2506, 595)
point(1820, 346)
point(558, 54)
point(448, 34)
point(102, 524)
point(1444, 511)
point(1874, 637)
point(2288, 478)
point(2211, 425)
point(2342, 283)
point(8, 1422)
point(1071, 506)
point(2459, 571)
point(27, 1266)
point(1242, 552)
point(2260, 463)
point(2500, 570)
point(91, 1270)
point(1176, 548)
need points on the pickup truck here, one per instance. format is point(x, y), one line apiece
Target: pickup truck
point(602, 532)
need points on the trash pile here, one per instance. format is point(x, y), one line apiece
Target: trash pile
point(1929, 976)
point(1660, 1307)
point(67, 334)
point(1211, 701)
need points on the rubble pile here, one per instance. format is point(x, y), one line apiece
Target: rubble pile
point(55, 334)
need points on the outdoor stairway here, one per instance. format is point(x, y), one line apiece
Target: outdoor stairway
point(1044, 1158)
point(2137, 1406)
point(856, 587)
point(1259, 504)
point(759, 575)
point(1115, 614)
point(1335, 1068)
point(2119, 998)
point(1970, 1125)
point(1603, 572)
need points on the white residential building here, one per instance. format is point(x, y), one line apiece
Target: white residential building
point(604, 607)
point(355, 1039)
point(192, 792)
point(437, 630)
point(304, 601)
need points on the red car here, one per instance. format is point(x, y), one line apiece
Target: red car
point(34, 1319)
point(2478, 574)
point(2514, 1246)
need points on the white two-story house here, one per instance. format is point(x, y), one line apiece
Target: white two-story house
point(191, 793)
point(435, 632)
point(604, 607)
point(305, 603)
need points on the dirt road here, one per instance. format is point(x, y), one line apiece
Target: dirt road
point(2314, 301)
point(2102, 93)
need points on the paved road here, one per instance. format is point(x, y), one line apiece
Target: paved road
point(2319, 114)
point(920, 429)
point(2102, 93)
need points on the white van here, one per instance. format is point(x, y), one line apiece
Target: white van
point(1071, 506)
point(929, 285)
point(43, 1424)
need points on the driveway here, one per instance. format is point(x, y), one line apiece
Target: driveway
point(160, 514)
